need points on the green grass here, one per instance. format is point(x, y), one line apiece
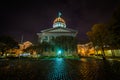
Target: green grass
point(66, 57)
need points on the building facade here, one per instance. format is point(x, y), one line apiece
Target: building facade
point(59, 29)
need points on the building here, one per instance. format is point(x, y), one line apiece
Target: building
point(89, 50)
point(85, 49)
point(59, 29)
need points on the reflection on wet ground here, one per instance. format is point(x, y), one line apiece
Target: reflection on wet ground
point(59, 69)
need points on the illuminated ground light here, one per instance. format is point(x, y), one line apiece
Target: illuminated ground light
point(59, 52)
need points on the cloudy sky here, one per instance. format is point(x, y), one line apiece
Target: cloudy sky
point(26, 17)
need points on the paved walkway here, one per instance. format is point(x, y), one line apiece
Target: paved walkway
point(60, 69)
point(107, 58)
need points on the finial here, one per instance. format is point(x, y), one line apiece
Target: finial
point(59, 14)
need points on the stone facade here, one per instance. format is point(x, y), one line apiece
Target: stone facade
point(59, 29)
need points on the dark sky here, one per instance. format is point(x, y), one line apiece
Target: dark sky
point(22, 17)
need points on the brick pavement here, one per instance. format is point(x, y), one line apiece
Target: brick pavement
point(59, 69)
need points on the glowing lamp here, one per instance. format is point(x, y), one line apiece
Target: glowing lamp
point(59, 52)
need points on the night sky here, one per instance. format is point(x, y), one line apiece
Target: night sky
point(23, 17)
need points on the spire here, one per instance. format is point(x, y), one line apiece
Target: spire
point(59, 22)
point(22, 39)
point(59, 14)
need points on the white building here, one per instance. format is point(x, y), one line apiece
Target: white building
point(58, 29)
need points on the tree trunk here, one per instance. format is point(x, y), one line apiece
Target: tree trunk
point(95, 51)
point(103, 56)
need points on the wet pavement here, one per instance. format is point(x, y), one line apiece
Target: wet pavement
point(59, 69)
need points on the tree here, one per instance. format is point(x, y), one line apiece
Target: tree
point(6, 43)
point(97, 35)
point(103, 35)
point(114, 29)
point(2, 48)
point(91, 36)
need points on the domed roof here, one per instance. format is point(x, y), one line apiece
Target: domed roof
point(59, 19)
point(59, 22)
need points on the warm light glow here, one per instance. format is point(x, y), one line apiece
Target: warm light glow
point(59, 19)
point(85, 49)
point(59, 22)
point(27, 44)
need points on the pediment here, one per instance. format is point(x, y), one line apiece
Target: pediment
point(58, 30)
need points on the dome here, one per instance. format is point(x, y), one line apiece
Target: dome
point(59, 22)
point(59, 19)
